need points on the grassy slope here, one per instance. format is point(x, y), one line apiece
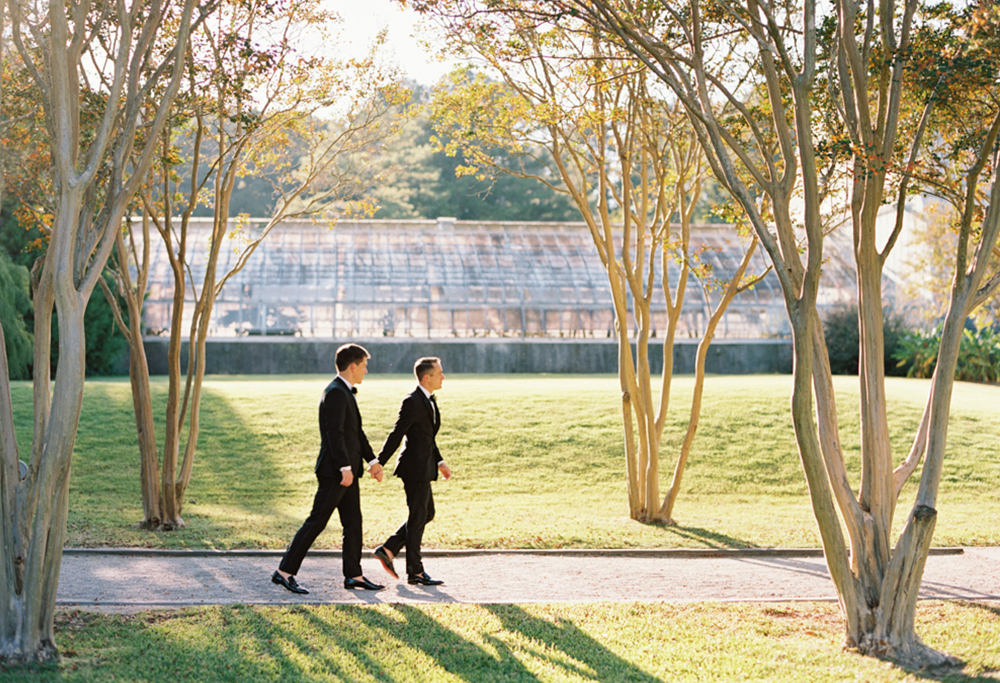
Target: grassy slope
point(537, 461)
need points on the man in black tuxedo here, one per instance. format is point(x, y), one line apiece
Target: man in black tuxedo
point(418, 465)
point(343, 447)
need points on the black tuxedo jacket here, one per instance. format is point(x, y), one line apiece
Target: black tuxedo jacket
point(342, 441)
point(419, 423)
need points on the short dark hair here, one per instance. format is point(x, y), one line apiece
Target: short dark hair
point(350, 353)
point(424, 365)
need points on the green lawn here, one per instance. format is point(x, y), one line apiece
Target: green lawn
point(610, 643)
point(537, 460)
point(538, 463)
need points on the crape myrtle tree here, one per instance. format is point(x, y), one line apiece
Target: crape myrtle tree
point(261, 98)
point(93, 65)
point(583, 117)
point(26, 219)
point(902, 94)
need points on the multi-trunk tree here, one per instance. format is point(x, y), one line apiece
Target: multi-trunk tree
point(884, 91)
point(260, 99)
point(583, 117)
point(93, 65)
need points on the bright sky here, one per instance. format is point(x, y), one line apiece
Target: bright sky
point(364, 18)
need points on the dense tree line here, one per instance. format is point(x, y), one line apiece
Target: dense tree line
point(419, 179)
point(20, 250)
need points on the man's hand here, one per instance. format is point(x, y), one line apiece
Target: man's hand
point(346, 477)
point(376, 471)
point(445, 471)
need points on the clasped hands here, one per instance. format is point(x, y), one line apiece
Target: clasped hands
point(377, 473)
point(347, 476)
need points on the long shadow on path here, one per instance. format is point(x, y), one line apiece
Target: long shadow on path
point(707, 537)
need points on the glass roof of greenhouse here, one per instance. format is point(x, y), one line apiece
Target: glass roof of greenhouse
point(451, 278)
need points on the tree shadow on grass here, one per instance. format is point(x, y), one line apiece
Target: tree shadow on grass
point(342, 643)
point(229, 644)
point(980, 606)
point(502, 655)
point(386, 643)
point(956, 673)
point(950, 674)
point(235, 644)
point(245, 469)
point(407, 635)
point(707, 537)
point(563, 645)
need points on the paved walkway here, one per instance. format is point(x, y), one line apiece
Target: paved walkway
point(127, 580)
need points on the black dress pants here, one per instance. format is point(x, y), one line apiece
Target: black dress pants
point(330, 496)
point(410, 534)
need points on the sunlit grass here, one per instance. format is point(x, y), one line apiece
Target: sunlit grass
point(537, 459)
point(509, 643)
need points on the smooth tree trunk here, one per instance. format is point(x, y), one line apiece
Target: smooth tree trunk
point(133, 294)
point(734, 286)
point(658, 179)
point(92, 188)
point(630, 164)
point(149, 461)
point(162, 489)
point(36, 508)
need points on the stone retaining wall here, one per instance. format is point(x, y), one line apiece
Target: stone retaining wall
point(293, 355)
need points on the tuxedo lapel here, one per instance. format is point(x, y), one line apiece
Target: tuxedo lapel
point(352, 400)
point(421, 398)
point(435, 413)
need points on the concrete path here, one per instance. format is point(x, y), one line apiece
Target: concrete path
point(128, 580)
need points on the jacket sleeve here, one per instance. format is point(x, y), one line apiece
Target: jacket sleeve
point(332, 412)
point(403, 421)
point(367, 455)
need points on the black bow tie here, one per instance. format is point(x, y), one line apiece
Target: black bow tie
point(354, 390)
point(432, 399)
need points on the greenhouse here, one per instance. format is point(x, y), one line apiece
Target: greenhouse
point(446, 278)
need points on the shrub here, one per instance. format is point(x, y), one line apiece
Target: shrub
point(15, 314)
point(104, 341)
point(842, 340)
point(978, 354)
point(18, 250)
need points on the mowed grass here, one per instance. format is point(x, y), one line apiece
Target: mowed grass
point(638, 642)
point(538, 463)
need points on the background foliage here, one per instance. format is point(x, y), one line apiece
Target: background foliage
point(978, 356)
point(20, 248)
point(419, 180)
point(842, 341)
point(16, 315)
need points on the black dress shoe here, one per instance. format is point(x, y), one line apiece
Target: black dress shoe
point(423, 580)
point(288, 583)
point(383, 556)
point(362, 583)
